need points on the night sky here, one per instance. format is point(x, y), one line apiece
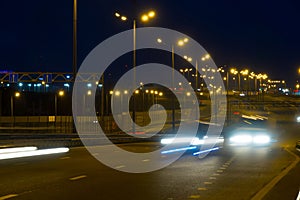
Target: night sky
point(36, 35)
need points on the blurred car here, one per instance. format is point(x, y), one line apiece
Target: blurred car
point(298, 145)
point(247, 136)
point(253, 130)
point(194, 144)
point(298, 118)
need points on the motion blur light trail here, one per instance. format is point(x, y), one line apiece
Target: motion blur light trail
point(33, 153)
point(177, 150)
point(205, 151)
point(17, 149)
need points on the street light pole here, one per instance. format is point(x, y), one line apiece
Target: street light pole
point(12, 105)
point(55, 105)
point(134, 74)
point(144, 18)
point(173, 102)
point(227, 82)
point(74, 39)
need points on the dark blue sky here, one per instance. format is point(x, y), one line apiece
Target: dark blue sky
point(36, 35)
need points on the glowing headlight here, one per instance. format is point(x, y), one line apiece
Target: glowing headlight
point(241, 139)
point(167, 141)
point(261, 139)
point(298, 119)
point(196, 141)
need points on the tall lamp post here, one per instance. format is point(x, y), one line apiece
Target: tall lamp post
point(74, 39)
point(60, 93)
point(17, 95)
point(144, 18)
point(180, 42)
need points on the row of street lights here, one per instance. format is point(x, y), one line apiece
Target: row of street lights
point(17, 95)
point(247, 76)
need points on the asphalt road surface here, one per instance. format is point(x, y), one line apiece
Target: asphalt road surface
point(231, 173)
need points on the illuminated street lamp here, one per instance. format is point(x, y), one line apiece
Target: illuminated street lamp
point(180, 43)
point(144, 18)
point(205, 57)
point(16, 95)
point(60, 93)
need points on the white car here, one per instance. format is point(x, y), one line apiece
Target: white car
point(248, 136)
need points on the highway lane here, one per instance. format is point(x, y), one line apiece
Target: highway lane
point(232, 173)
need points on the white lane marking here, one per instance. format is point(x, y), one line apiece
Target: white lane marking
point(64, 158)
point(216, 174)
point(212, 178)
point(202, 189)
point(8, 196)
point(146, 160)
point(298, 197)
point(260, 194)
point(119, 167)
point(207, 183)
point(219, 171)
point(77, 178)
point(95, 154)
point(222, 168)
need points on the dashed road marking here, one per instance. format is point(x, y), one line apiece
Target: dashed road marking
point(77, 178)
point(212, 178)
point(216, 174)
point(119, 167)
point(207, 183)
point(8, 196)
point(222, 168)
point(202, 189)
point(64, 158)
point(146, 160)
point(219, 171)
point(194, 197)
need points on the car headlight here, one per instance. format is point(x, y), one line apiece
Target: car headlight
point(241, 139)
point(249, 139)
point(298, 119)
point(261, 139)
point(197, 141)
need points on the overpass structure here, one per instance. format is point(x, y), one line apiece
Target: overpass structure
point(46, 77)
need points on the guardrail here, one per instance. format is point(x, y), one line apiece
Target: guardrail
point(72, 140)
